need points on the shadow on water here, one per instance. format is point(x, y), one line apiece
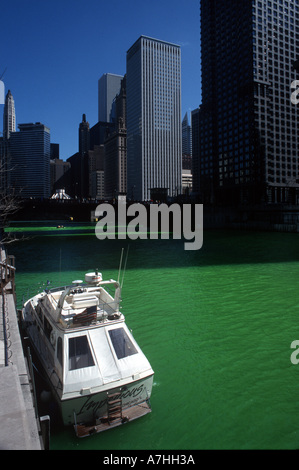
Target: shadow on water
point(75, 252)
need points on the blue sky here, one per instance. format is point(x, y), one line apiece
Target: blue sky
point(56, 51)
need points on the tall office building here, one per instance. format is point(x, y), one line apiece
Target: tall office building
point(9, 116)
point(3, 173)
point(186, 136)
point(30, 160)
point(245, 133)
point(9, 125)
point(116, 150)
point(84, 137)
point(154, 128)
point(108, 87)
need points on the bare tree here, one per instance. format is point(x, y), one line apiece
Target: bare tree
point(9, 205)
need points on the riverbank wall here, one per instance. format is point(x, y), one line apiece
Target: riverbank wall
point(266, 217)
point(272, 218)
point(19, 428)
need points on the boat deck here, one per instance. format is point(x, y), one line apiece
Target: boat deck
point(134, 412)
point(86, 307)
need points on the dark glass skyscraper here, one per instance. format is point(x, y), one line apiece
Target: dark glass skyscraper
point(84, 137)
point(108, 87)
point(30, 160)
point(186, 136)
point(245, 133)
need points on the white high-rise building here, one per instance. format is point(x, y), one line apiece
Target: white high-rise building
point(9, 116)
point(154, 128)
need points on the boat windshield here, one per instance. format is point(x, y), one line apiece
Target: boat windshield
point(79, 353)
point(122, 344)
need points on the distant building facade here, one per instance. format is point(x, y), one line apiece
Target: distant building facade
point(154, 128)
point(115, 162)
point(3, 175)
point(96, 172)
point(99, 132)
point(9, 125)
point(186, 181)
point(30, 160)
point(84, 137)
point(186, 136)
point(246, 143)
point(54, 151)
point(58, 174)
point(116, 150)
point(186, 156)
point(108, 87)
point(9, 116)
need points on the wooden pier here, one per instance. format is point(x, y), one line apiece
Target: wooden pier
point(20, 429)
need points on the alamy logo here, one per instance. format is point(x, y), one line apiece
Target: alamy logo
point(144, 222)
point(294, 95)
point(294, 356)
point(2, 92)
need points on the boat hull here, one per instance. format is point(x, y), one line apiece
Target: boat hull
point(92, 411)
point(89, 414)
point(97, 373)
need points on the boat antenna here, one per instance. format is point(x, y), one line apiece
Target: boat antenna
point(120, 262)
point(125, 267)
point(60, 267)
point(3, 73)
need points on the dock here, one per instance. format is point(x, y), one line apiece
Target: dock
point(20, 426)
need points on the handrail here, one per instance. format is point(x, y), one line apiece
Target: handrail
point(7, 265)
point(7, 272)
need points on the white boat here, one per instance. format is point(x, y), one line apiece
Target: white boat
point(98, 374)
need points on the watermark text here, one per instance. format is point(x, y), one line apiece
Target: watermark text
point(295, 354)
point(295, 94)
point(153, 221)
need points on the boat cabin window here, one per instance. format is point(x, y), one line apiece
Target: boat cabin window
point(59, 349)
point(47, 328)
point(122, 344)
point(79, 353)
point(39, 312)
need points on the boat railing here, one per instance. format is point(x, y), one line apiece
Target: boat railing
point(56, 289)
point(112, 305)
point(105, 310)
point(109, 307)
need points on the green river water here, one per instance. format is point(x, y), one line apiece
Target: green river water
point(216, 325)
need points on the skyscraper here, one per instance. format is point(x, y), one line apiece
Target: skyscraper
point(108, 87)
point(154, 129)
point(9, 125)
point(186, 136)
point(9, 116)
point(116, 150)
point(30, 160)
point(84, 138)
point(245, 133)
